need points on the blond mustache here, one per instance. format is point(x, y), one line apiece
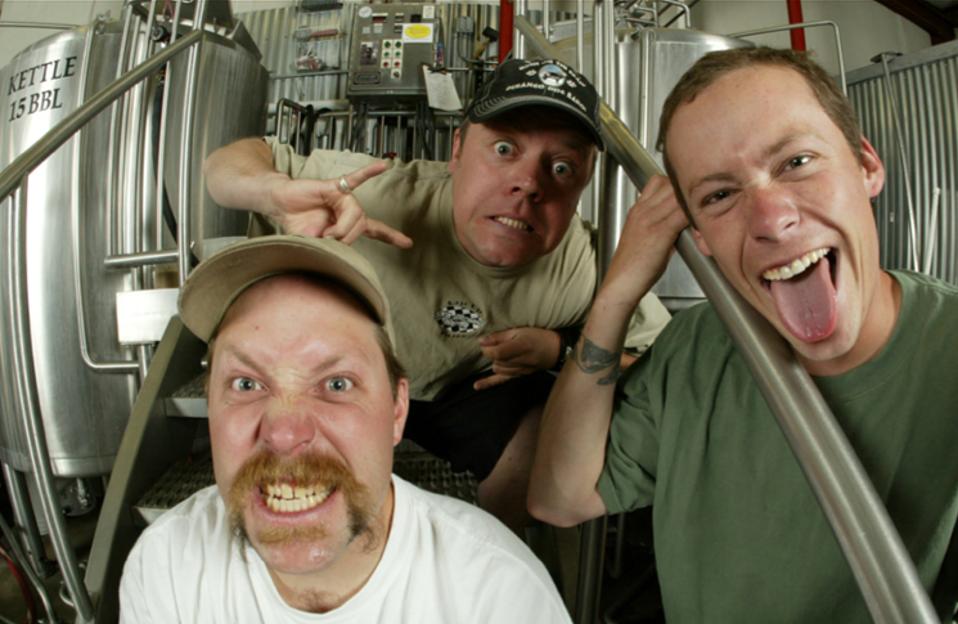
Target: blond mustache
point(304, 470)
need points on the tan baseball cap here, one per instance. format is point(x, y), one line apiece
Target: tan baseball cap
point(215, 284)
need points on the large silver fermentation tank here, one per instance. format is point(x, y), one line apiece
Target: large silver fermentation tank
point(84, 412)
point(69, 233)
point(649, 62)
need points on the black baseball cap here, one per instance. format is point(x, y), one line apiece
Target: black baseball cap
point(546, 82)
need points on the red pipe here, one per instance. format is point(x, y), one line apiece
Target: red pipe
point(795, 17)
point(505, 28)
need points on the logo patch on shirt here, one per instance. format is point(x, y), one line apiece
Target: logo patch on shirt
point(458, 318)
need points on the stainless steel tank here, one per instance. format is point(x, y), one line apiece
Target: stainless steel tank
point(649, 63)
point(85, 410)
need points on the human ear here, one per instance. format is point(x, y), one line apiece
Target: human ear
point(400, 409)
point(873, 168)
point(456, 151)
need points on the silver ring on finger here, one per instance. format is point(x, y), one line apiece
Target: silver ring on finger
point(344, 185)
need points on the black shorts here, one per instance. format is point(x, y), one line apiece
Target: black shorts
point(471, 428)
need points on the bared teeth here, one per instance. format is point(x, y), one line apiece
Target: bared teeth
point(283, 498)
point(513, 223)
point(796, 266)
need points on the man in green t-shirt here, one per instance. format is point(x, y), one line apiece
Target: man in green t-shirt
point(767, 161)
point(501, 262)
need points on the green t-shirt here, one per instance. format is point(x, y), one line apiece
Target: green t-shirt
point(739, 536)
point(442, 300)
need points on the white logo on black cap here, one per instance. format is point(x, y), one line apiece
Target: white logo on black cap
point(552, 75)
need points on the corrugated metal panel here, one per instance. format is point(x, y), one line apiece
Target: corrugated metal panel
point(274, 32)
point(925, 85)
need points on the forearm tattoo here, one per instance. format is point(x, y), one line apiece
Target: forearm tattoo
point(591, 359)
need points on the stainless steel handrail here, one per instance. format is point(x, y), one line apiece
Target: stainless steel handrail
point(28, 406)
point(38, 25)
point(831, 24)
point(885, 573)
point(183, 226)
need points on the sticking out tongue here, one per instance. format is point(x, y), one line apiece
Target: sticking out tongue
point(806, 303)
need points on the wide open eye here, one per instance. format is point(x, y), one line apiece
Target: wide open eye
point(245, 384)
point(562, 169)
point(339, 384)
point(504, 148)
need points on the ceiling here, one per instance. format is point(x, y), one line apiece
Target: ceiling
point(937, 17)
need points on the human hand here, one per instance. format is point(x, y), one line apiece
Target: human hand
point(320, 208)
point(646, 243)
point(516, 352)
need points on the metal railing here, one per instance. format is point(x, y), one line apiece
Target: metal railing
point(885, 573)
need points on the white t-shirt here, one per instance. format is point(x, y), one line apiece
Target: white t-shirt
point(445, 562)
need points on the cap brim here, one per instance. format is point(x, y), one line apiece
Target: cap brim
point(485, 113)
point(216, 283)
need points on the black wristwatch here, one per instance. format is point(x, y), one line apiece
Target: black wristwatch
point(568, 336)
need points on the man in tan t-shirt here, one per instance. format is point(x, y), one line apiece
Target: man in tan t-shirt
point(501, 268)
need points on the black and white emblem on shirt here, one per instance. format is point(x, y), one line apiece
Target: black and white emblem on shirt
point(458, 318)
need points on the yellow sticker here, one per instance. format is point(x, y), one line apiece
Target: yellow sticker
point(417, 32)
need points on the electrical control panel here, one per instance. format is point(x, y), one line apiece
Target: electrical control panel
point(390, 44)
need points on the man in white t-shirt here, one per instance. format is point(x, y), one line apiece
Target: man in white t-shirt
point(306, 523)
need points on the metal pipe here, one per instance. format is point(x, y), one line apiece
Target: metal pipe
point(518, 44)
point(26, 392)
point(834, 26)
point(40, 25)
point(113, 145)
point(329, 72)
point(546, 21)
point(879, 562)
point(129, 261)
point(797, 35)
point(902, 156)
point(183, 225)
point(580, 34)
point(30, 159)
point(507, 32)
point(610, 56)
point(683, 10)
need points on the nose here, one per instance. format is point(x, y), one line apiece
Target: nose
point(288, 428)
point(772, 213)
point(525, 178)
